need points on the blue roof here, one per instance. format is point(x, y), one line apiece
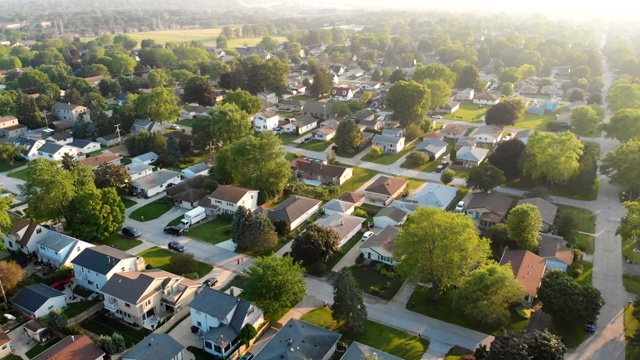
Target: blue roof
point(32, 297)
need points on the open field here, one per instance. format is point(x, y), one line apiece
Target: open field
point(232, 43)
point(207, 36)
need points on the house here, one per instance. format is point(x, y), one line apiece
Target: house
point(52, 151)
point(121, 150)
point(309, 341)
point(535, 109)
point(358, 351)
point(156, 346)
point(61, 138)
point(73, 347)
point(454, 131)
point(195, 111)
point(523, 135)
point(10, 127)
point(269, 98)
point(528, 269)
point(94, 266)
point(300, 125)
point(156, 182)
point(226, 199)
point(85, 146)
point(488, 134)
point(352, 197)
point(23, 236)
point(140, 125)
point(294, 211)
point(390, 215)
point(266, 121)
point(298, 88)
point(546, 209)
point(31, 147)
point(37, 300)
point(488, 208)
point(379, 247)
point(371, 124)
point(138, 170)
point(121, 99)
point(318, 109)
point(471, 156)
point(434, 195)
point(336, 69)
point(433, 148)
point(528, 89)
point(220, 317)
point(449, 108)
point(393, 132)
point(96, 161)
point(36, 331)
point(465, 141)
point(486, 99)
point(201, 168)
point(346, 226)
point(324, 134)
point(551, 90)
point(433, 135)
point(144, 297)
point(58, 249)
point(146, 158)
point(362, 115)
point(385, 189)
point(554, 250)
point(338, 206)
point(94, 80)
point(291, 105)
point(564, 118)
point(370, 85)
point(62, 125)
point(464, 95)
point(317, 171)
point(72, 112)
point(389, 144)
point(190, 192)
point(341, 93)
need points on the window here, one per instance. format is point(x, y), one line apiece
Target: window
point(10, 244)
point(4, 347)
point(218, 202)
point(122, 268)
point(207, 344)
point(78, 248)
point(199, 324)
point(127, 305)
point(90, 282)
point(50, 307)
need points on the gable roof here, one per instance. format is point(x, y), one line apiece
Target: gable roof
point(143, 125)
point(486, 96)
point(387, 185)
point(304, 120)
point(523, 134)
point(130, 286)
point(326, 170)
point(351, 197)
point(156, 178)
point(32, 297)
point(6, 120)
point(494, 201)
point(316, 107)
point(146, 157)
point(383, 239)
point(434, 195)
point(431, 146)
point(135, 168)
point(387, 139)
point(341, 91)
point(230, 193)
point(51, 148)
point(394, 213)
point(56, 241)
point(455, 129)
point(547, 209)
point(433, 135)
point(362, 114)
point(95, 161)
point(80, 143)
point(156, 346)
point(309, 341)
point(341, 223)
point(101, 258)
point(528, 268)
point(67, 106)
point(338, 205)
point(198, 168)
point(292, 208)
point(555, 246)
point(472, 153)
point(358, 351)
point(73, 347)
point(491, 130)
point(219, 305)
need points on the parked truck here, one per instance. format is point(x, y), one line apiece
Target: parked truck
point(193, 216)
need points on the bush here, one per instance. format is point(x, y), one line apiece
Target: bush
point(64, 272)
point(578, 256)
point(360, 259)
point(575, 270)
point(375, 151)
point(317, 269)
point(360, 212)
point(72, 330)
point(554, 127)
point(564, 225)
point(417, 158)
point(210, 184)
point(374, 290)
point(183, 263)
point(282, 227)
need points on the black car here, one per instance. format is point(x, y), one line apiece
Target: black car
point(247, 356)
point(175, 230)
point(174, 245)
point(130, 232)
point(590, 326)
point(442, 166)
point(211, 282)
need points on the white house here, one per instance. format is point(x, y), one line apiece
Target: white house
point(454, 131)
point(201, 168)
point(324, 134)
point(466, 94)
point(341, 93)
point(379, 247)
point(488, 134)
point(346, 226)
point(389, 144)
point(59, 249)
point(94, 266)
point(338, 206)
point(156, 346)
point(138, 170)
point(390, 215)
point(38, 300)
point(471, 156)
point(434, 195)
point(266, 121)
point(31, 147)
point(226, 199)
point(141, 125)
point(156, 182)
point(300, 125)
point(85, 146)
point(53, 151)
point(71, 112)
point(486, 99)
point(146, 158)
point(294, 211)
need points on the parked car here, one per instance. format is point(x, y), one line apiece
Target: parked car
point(130, 231)
point(590, 326)
point(367, 235)
point(24, 261)
point(247, 356)
point(442, 166)
point(175, 127)
point(210, 282)
point(61, 284)
point(436, 117)
point(460, 206)
point(175, 230)
point(176, 246)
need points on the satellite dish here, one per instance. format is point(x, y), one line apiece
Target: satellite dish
point(9, 317)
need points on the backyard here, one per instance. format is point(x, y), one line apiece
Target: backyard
point(213, 232)
point(120, 242)
point(105, 325)
point(76, 308)
point(315, 145)
point(584, 226)
point(372, 281)
point(388, 159)
point(360, 177)
point(396, 342)
point(468, 112)
point(152, 210)
point(160, 258)
point(40, 348)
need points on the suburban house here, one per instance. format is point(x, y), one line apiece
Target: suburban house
point(547, 210)
point(528, 269)
point(61, 126)
point(85, 146)
point(433, 148)
point(194, 111)
point(96, 161)
point(488, 134)
point(121, 150)
point(370, 85)
point(389, 144)
point(464, 95)
point(291, 105)
point(471, 156)
point(5, 344)
point(309, 341)
point(341, 93)
point(156, 346)
point(319, 172)
point(486, 99)
point(352, 197)
point(564, 118)
point(201, 168)
point(300, 125)
point(53, 151)
point(379, 247)
point(390, 216)
point(364, 114)
point(393, 132)
point(336, 69)
point(219, 317)
point(109, 140)
point(551, 90)
point(449, 108)
point(38, 300)
point(140, 125)
point(121, 99)
point(59, 249)
point(23, 236)
point(385, 189)
point(31, 147)
point(144, 297)
point(73, 347)
point(71, 112)
point(294, 211)
point(358, 351)
point(318, 109)
point(324, 134)
point(523, 135)
point(406, 206)
point(10, 127)
point(146, 158)
point(156, 182)
point(190, 192)
point(488, 208)
point(138, 170)
point(94, 266)
point(35, 330)
point(226, 199)
point(465, 141)
point(434, 195)
point(346, 226)
point(94, 80)
point(269, 98)
point(528, 89)
point(266, 121)
point(554, 250)
point(371, 124)
point(338, 206)
point(454, 131)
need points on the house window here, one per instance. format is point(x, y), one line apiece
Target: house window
point(199, 324)
point(218, 202)
point(4, 347)
point(10, 244)
point(90, 282)
point(50, 307)
point(122, 268)
point(78, 248)
point(38, 230)
point(208, 345)
point(127, 305)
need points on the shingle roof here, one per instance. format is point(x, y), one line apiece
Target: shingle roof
point(486, 96)
point(197, 168)
point(309, 341)
point(338, 205)
point(219, 305)
point(51, 148)
point(387, 139)
point(56, 241)
point(431, 146)
point(304, 120)
point(73, 347)
point(65, 106)
point(101, 159)
point(146, 157)
point(358, 351)
point(472, 153)
point(362, 114)
point(394, 213)
point(80, 143)
point(341, 223)
point(316, 107)
point(383, 239)
point(435, 195)
point(555, 246)
point(156, 178)
point(491, 130)
point(528, 268)
point(130, 286)
point(32, 297)
point(351, 197)
point(494, 201)
point(387, 185)
point(326, 170)
point(229, 193)
point(155, 346)
point(547, 209)
point(101, 258)
point(293, 208)
point(455, 129)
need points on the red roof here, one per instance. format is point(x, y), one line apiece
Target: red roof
point(342, 91)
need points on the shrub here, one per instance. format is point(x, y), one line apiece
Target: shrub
point(375, 151)
point(183, 263)
point(417, 158)
point(360, 259)
point(282, 227)
point(72, 330)
point(554, 127)
point(360, 212)
point(374, 290)
point(317, 269)
point(565, 224)
point(247, 333)
point(575, 270)
point(210, 184)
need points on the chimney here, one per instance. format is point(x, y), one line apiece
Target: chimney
point(73, 338)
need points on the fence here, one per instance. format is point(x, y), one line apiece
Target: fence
point(85, 314)
point(176, 318)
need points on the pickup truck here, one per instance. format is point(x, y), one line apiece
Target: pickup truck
point(175, 230)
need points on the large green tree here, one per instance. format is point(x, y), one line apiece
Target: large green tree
point(198, 90)
point(440, 92)
point(248, 103)
point(348, 136)
point(274, 272)
point(505, 113)
point(48, 188)
point(624, 125)
point(624, 93)
point(316, 245)
point(348, 305)
point(32, 81)
point(435, 72)
point(322, 83)
point(485, 177)
point(553, 157)
point(524, 224)
point(523, 345)
point(27, 112)
point(441, 251)
point(226, 125)
point(5, 220)
point(112, 176)
point(9, 153)
point(241, 227)
point(629, 228)
point(508, 157)
point(161, 104)
point(622, 166)
point(158, 77)
point(95, 214)
point(586, 118)
point(409, 100)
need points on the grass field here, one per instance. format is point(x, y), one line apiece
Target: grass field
point(232, 43)
point(152, 210)
point(207, 36)
point(537, 122)
point(121, 242)
point(20, 174)
point(213, 232)
point(161, 259)
point(469, 113)
point(631, 324)
point(360, 176)
point(315, 145)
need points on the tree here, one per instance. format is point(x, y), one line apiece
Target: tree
point(416, 158)
point(505, 113)
point(95, 213)
point(553, 157)
point(274, 272)
point(73, 96)
point(523, 345)
point(348, 136)
point(508, 156)
point(440, 92)
point(506, 89)
point(244, 100)
point(48, 188)
point(622, 166)
point(447, 176)
point(56, 319)
point(570, 303)
point(112, 176)
point(5, 219)
point(247, 333)
point(348, 305)
point(487, 294)
point(434, 72)
point(27, 112)
point(198, 90)
point(629, 228)
point(316, 244)
point(183, 263)
point(157, 77)
point(226, 125)
point(468, 77)
point(375, 151)
point(413, 131)
point(119, 344)
point(576, 95)
point(485, 177)
point(145, 142)
point(624, 125)
point(241, 227)
point(8, 152)
point(222, 41)
point(623, 94)
point(586, 118)
point(409, 100)
point(11, 274)
point(441, 251)
point(322, 83)
point(398, 75)
point(161, 104)
point(32, 81)
point(524, 224)
point(262, 234)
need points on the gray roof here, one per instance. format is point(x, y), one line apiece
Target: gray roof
point(146, 157)
point(80, 143)
point(435, 195)
point(547, 209)
point(32, 297)
point(357, 351)
point(220, 305)
point(315, 107)
point(472, 153)
point(156, 346)
point(388, 139)
point(383, 239)
point(50, 148)
point(392, 212)
point(292, 208)
point(101, 258)
point(135, 168)
point(56, 241)
point(130, 286)
point(431, 146)
point(197, 168)
point(494, 201)
point(338, 205)
point(66, 106)
point(393, 132)
point(304, 120)
point(309, 341)
point(157, 178)
point(341, 223)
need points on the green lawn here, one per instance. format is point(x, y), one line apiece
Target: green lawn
point(587, 275)
point(343, 251)
point(388, 159)
point(631, 324)
point(238, 281)
point(82, 291)
point(396, 342)
point(207, 36)
point(175, 221)
point(187, 122)
point(161, 259)
point(413, 182)
point(76, 308)
point(104, 325)
point(536, 122)
point(233, 43)
point(290, 156)
point(315, 145)
point(213, 232)
point(5, 166)
point(20, 174)
point(40, 348)
point(374, 283)
point(468, 112)
point(360, 176)
point(121, 242)
point(152, 210)
point(572, 336)
point(631, 283)
point(287, 139)
point(128, 203)
point(456, 352)
point(584, 222)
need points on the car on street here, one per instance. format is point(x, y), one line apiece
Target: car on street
point(590, 326)
point(210, 282)
point(442, 166)
point(436, 117)
point(247, 356)
point(176, 246)
point(61, 284)
point(460, 206)
point(175, 127)
point(130, 232)
point(175, 230)
point(367, 235)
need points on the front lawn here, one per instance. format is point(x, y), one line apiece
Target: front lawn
point(587, 275)
point(76, 308)
point(631, 325)
point(5, 166)
point(20, 174)
point(213, 232)
point(40, 348)
point(373, 282)
point(393, 341)
point(287, 139)
point(536, 122)
point(315, 145)
point(128, 203)
point(584, 225)
point(359, 178)
point(631, 283)
point(153, 210)
point(289, 156)
point(160, 258)
point(572, 336)
point(468, 112)
point(343, 251)
point(121, 242)
point(187, 122)
point(388, 159)
point(413, 183)
point(104, 325)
